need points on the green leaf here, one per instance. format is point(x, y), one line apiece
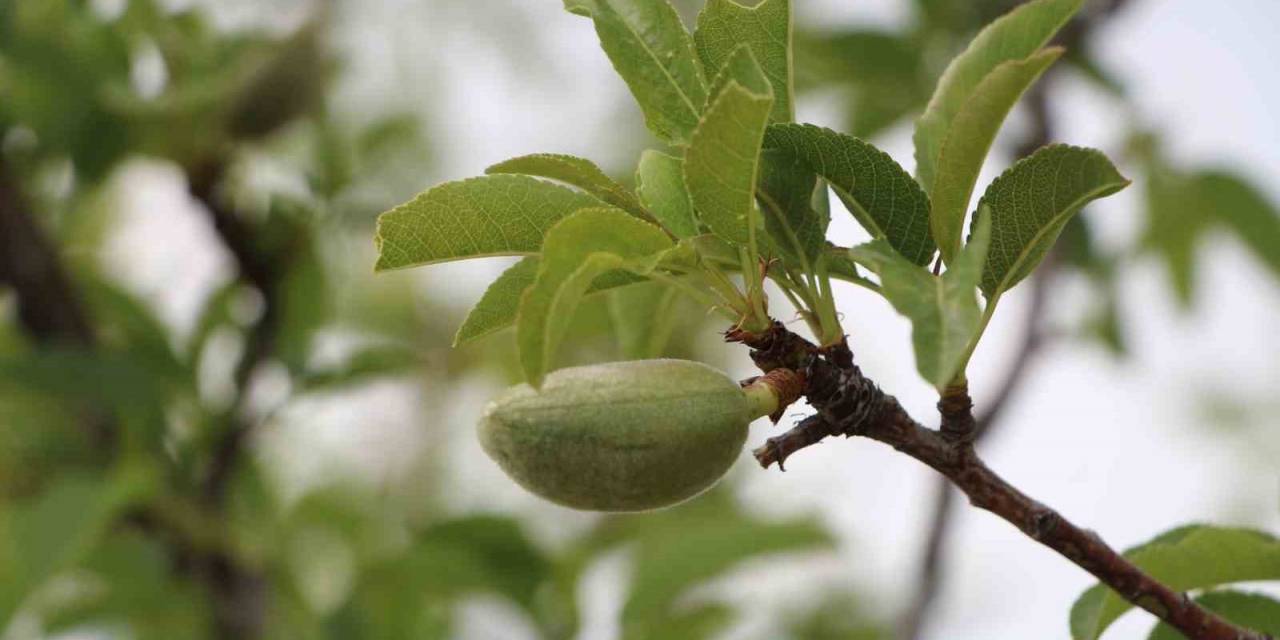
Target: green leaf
point(786, 194)
point(973, 96)
point(498, 307)
point(642, 319)
point(1032, 201)
point(1244, 210)
point(489, 216)
point(722, 161)
point(578, 172)
point(54, 530)
point(660, 183)
point(579, 249)
point(881, 196)
point(699, 542)
point(652, 51)
point(724, 25)
point(1012, 37)
point(1252, 610)
point(1186, 558)
point(943, 309)
point(965, 149)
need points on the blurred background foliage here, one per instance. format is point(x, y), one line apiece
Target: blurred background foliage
point(149, 486)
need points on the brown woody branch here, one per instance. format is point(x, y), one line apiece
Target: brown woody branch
point(849, 404)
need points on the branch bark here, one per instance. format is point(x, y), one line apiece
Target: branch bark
point(849, 404)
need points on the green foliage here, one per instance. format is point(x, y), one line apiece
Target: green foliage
point(653, 53)
point(56, 529)
point(1031, 203)
point(490, 216)
point(722, 161)
point(1182, 208)
point(498, 306)
point(660, 184)
point(786, 192)
point(577, 172)
point(943, 309)
point(577, 251)
point(881, 196)
point(1186, 558)
point(681, 548)
point(643, 319)
point(1252, 610)
point(724, 25)
point(973, 96)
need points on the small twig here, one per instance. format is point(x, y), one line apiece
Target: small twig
point(239, 593)
point(849, 404)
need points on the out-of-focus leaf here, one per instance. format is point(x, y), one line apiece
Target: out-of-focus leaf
point(973, 96)
point(366, 364)
point(1246, 212)
point(1255, 611)
point(56, 529)
point(786, 195)
point(724, 25)
point(660, 183)
point(1186, 558)
point(304, 297)
point(686, 546)
point(722, 161)
point(880, 71)
point(881, 196)
point(1032, 201)
point(577, 172)
point(642, 319)
point(943, 309)
point(577, 251)
point(654, 54)
point(489, 216)
point(134, 583)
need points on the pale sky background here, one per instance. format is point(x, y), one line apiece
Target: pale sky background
point(1116, 446)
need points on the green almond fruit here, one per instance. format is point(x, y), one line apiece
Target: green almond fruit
point(622, 436)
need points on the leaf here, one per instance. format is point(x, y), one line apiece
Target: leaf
point(578, 172)
point(943, 309)
point(488, 216)
point(54, 530)
point(650, 49)
point(1186, 558)
point(1012, 37)
point(724, 25)
point(881, 196)
point(580, 248)
point(965, 149)
point(1252, 610)
point(498, 307)
point(642, 319)
point(786, 194)
point(1244, 210)
point(722, 161)
point(1032, 201)
point(698, 542)
point(660, 183)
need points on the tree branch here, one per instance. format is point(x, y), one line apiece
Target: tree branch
point(849, 404)
point(239, 592)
